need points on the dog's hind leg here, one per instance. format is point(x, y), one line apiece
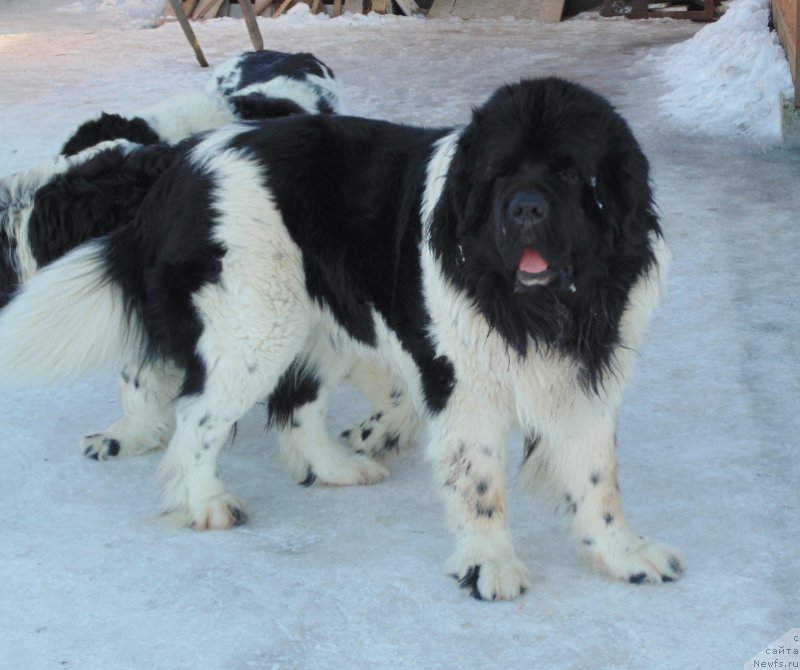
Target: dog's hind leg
point(577, 464)
point(298, 406)
point(236, 379)
point(147, 392)
point(393, 423)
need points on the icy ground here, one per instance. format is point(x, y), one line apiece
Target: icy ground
point(92, 579)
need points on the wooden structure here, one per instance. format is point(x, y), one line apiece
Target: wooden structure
point(542, 10)
point(695, 10)
point(209, 9)
point(786, 16)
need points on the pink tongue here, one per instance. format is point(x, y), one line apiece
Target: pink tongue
point(532, 262)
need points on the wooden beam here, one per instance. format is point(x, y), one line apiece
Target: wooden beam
point(261, 6)
point(252, 25)
point(206, 7)
point(282, 8)
point(337, 7)
point(187, 30)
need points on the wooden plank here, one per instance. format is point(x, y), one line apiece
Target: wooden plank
point(282, 8)
point(252, 25)
point(337, 7)
point(786, 15)
point(440, 9)
point(316, 6)
point(262, 6)
point(207, 8)
point(543, 10)
point(549, 11)
point(188, 32)
point(354, 6)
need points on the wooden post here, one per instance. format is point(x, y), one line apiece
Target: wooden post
point(187, 30)
point(262, 6)
point(252, 25)
point(281, 8)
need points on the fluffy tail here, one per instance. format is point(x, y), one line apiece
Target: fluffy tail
point(69, 320)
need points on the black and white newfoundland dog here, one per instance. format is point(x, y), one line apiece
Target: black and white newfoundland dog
point(253, 85)
point(101, 177)
point(505, 270)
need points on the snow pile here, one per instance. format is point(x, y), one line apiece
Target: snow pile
point(729, 76)
point(122, 13)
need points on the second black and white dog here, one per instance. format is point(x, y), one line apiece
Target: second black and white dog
point(506, 270)
point(253, 85)
point(99, 183)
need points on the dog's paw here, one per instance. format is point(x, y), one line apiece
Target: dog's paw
point(217, 513)
point(328, 463)
point(343, 468)
point(491, 579)
point(638, 561)
point(383, 433)
point(107, 446)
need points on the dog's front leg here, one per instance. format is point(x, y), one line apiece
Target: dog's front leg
point(469, 453)
point(578, 462)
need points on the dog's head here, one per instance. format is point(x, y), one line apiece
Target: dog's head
point(545, 217)
point(548, 186)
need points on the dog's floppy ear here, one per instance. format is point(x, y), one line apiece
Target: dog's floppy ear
point(256, 106)
point(110, 127)
point(622, 187)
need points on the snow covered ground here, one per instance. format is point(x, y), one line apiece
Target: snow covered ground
point(92, 578)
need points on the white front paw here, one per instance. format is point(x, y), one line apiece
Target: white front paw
point(638, 561)
point(497, 578)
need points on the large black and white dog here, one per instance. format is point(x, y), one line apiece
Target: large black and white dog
point(253, 85)
point(506, 270)
point(99, 182)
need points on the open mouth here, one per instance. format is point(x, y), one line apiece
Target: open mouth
point(534, 270)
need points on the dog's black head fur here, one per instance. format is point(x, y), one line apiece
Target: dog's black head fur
point(546, 216)
point(110, 127)
point(256, 67)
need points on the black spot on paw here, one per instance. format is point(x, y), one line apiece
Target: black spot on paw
point(95, 456)
point(675, 566)
point(345, 434)
point(366, 433)
point(637, 578)
point(310, 478)
point(238, 515)
point(666, 579)
point(588, 541)
point(482, 487)
point(595, 478)
point(470, 581)
point(608, 518)
point(376, 417)
point(113, 447)
point(487, 511)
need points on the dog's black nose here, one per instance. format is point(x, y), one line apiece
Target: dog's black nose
point(528, 208)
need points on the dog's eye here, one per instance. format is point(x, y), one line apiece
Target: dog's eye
point(569, 174)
